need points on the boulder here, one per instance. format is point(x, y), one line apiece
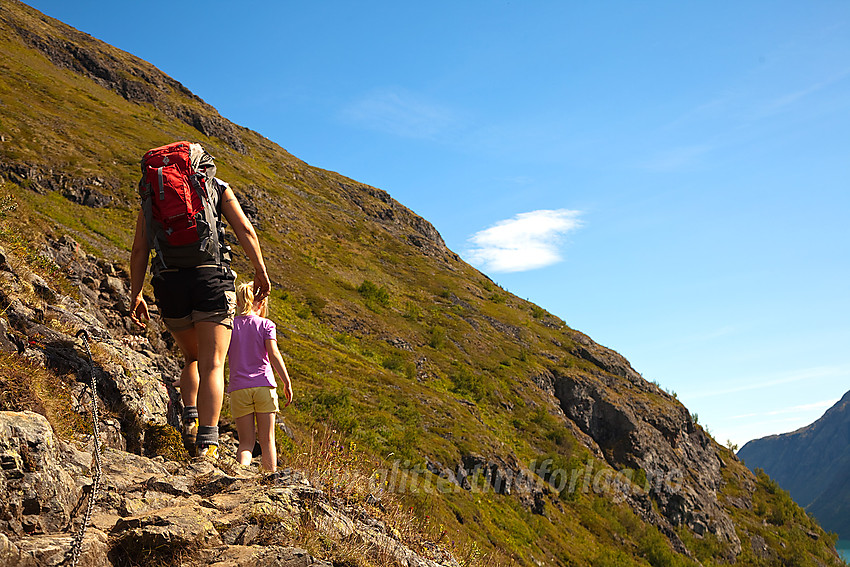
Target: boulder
point(39, 493)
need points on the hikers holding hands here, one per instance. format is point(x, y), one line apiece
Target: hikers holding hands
point(182, 206)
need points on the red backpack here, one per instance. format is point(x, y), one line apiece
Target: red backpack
point(182, 224)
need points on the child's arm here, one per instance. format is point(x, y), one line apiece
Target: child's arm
point(276, 361)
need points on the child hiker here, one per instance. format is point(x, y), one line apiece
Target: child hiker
point(252, 355)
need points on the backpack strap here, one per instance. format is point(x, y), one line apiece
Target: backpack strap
point(209, 212)
point(147, 209)
point(161, 184)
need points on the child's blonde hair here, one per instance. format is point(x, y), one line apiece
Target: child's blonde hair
point(245, 300)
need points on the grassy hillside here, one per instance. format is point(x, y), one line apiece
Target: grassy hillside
point(417, 360)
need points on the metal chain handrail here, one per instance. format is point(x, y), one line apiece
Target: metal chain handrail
point(77, 544)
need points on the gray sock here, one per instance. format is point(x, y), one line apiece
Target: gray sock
point(190, 413)
point(207, 435)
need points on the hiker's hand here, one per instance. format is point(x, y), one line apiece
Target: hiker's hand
point(287, 392)
point(139, 311)
point(262, 285)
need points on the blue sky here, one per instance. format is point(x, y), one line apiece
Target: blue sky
point(670, 178)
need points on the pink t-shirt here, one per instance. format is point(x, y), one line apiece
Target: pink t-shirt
point(248, 359)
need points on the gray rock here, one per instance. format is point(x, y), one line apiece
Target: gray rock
point(620, 412)
point(53, 549)
point(40, 494)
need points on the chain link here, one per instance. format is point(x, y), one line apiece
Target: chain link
point(77, 544)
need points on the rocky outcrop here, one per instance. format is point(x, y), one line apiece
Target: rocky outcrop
point(163, 511)
point(637, 426)
point(379, 205)
point(134, 382)
point(94, 192)
point(500, 475)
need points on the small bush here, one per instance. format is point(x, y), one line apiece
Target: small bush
point(393, 362)
point(412, 311)
point(467, 382)
point(315, 304)
point(397, 363)
point(336, 408)
point(437, 337)
point(375, 296)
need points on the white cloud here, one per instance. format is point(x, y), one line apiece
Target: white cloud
point(399, 112)
point(802, 408)
point(744, 385)
point(525, 242)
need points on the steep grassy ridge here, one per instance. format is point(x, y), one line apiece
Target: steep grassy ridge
point(417, 358)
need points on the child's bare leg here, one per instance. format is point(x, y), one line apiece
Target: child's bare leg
point(245, 431)
point(265, 427)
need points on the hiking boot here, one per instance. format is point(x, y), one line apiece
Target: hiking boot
point(190, 435)
point(209, 452)
point(220, 457)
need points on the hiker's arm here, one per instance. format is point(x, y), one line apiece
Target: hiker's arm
point(276, 361)
point(247, 237)
point(138, 267)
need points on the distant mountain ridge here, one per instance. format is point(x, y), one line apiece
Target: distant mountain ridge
point(813, 464)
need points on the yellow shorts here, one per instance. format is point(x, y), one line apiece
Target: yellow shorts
point(253, 400)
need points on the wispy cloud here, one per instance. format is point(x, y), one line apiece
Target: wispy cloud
point(802, 408)
point(676, 158)
point(525, 242)
point(399, 112)
point(788, 99)
point(814, 373)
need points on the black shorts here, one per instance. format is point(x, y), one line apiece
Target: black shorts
point(186, 296)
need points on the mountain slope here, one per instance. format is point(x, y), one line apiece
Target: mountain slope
point(526, 437)
point(812, 464)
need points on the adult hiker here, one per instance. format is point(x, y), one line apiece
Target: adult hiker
point(181, 222)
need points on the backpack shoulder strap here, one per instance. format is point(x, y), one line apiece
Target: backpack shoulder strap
point(147, 210)
point(212, 210)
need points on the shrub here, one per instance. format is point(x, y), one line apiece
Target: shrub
point(412, 311)
point(398, 364)
point(437, 337)
point(335, 407)
point(315, 304)
point(467, 382)
point(374, 295)
point(537, 312)
point(657, 551)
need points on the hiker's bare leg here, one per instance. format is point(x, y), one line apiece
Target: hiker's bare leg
point(213, 342)
point(245, 430)
point(187, 341)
